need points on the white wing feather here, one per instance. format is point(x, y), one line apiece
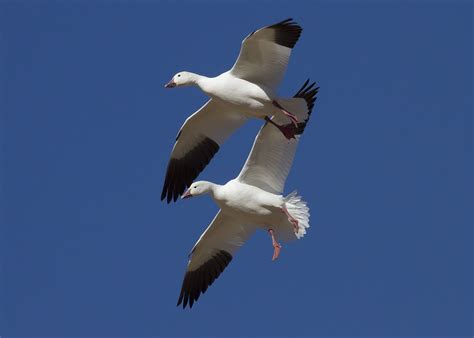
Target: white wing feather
point(211, 255)
point(265, 53)
point(224, 233)
point(271, 157)
point(198, 140)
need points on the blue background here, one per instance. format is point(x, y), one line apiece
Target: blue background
point(385, 165)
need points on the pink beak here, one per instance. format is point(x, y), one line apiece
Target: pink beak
point(170, 84)
point(187, 194)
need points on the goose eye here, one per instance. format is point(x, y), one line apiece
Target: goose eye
point(179, 75)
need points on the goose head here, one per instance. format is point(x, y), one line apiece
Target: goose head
point(198, 188)
point(181, 79)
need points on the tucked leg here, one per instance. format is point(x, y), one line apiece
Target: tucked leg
point(289, 130)
point(291, 116)
point(293, 220)
point(276, 245)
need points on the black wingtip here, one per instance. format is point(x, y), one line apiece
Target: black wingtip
point(284, 21)
point(180, 173)
point(287, 31)
point(196, 282)
point(308, 93)
point(180, 299)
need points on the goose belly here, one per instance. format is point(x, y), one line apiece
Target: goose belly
point(245, 96)
point(250, 203)
point(246, 206)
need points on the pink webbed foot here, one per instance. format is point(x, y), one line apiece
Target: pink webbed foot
point(292, 220)
point(291, 116)
point(276, 245)
point(276, 251)
point(288, 130)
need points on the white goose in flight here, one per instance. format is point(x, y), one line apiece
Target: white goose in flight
point(247, 90)
point(250, 201)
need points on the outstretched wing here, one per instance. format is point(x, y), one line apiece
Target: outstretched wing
point(265, 53)
point(271, 157)
point(197, 142)
point(211, 255)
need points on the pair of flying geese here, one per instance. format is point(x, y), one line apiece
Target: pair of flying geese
point(254, 199)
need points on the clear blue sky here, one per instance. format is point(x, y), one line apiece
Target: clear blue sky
point(87, 248)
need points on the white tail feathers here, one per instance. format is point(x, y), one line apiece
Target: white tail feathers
point(298, 209)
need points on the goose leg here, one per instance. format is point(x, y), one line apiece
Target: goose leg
point(291, 116)
point(276, 245)
point(293, 220)
point(289, 131)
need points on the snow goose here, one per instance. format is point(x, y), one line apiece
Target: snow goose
point(247, 90)
point(252, 200)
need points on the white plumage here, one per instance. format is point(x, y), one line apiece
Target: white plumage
point(247, 90)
